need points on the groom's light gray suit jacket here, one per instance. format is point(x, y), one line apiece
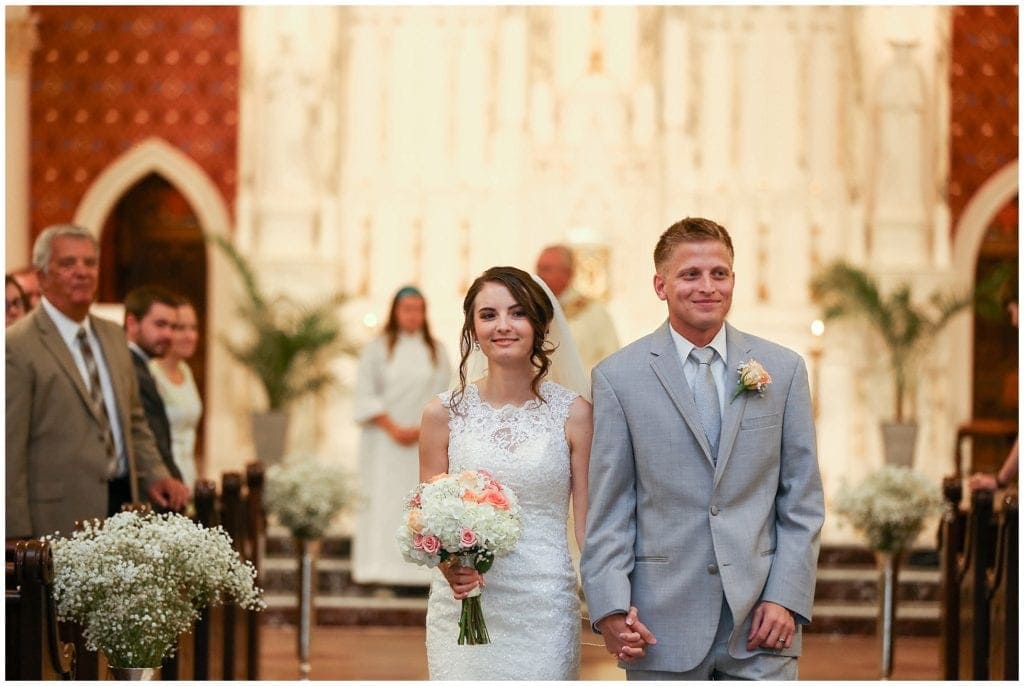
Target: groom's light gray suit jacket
point(670, 532)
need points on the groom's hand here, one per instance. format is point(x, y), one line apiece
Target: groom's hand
point(772, 627)
point(625, 636)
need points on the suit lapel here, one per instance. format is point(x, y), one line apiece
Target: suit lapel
point(738, 351)
point(669, 370)
point(54, 343)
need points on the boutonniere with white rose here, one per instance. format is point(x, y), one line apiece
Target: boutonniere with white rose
point(753, 377)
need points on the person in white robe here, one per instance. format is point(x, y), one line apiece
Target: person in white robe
point(591, 325)
point(399, 372)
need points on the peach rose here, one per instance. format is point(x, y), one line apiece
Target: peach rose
point(495, 497)
point(415, 521)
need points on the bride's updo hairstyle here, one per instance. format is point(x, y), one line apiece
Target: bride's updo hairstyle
point(538, 309)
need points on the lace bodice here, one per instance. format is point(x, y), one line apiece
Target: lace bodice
point(525, 448)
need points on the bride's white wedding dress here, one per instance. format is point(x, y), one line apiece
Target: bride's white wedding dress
point(530, 603)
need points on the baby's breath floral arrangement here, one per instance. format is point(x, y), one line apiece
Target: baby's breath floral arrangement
point(137, 581)
point(306, 494)
point(890, 507)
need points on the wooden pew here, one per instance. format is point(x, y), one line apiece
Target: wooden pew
point(951, 543)
point(1002, 594)
point(226, 637)
point(34, 647)
point(977, 558)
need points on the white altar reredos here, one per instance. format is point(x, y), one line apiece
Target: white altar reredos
point(381, 146)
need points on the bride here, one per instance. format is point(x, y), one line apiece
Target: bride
point(534, 436)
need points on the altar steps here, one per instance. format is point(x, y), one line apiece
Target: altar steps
point(846, 597)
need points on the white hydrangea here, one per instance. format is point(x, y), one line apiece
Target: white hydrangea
point(136, 582)
point(890, 506)
point(306, 495)
point(459, 514)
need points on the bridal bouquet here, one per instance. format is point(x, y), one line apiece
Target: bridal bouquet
point(136, 582)
point(469, 518)
point(890, 506)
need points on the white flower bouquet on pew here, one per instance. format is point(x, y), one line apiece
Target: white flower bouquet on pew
point(306, 495)
point(137, 581)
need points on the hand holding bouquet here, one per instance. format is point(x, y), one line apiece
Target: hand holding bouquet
point(469, 517)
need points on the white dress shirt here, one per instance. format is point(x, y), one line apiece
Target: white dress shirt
point(719, 365)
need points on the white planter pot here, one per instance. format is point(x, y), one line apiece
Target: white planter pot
point(269, 435)
point(899, 440)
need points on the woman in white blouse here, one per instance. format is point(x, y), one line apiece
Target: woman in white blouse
point(399, 372)
point(178, 390)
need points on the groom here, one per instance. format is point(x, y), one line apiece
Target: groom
point(705, 498)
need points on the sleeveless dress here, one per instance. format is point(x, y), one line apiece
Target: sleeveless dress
point(184, 407)
point(530, 603)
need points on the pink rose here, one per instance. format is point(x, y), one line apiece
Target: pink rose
point(416, 501)
point(430, 544)
point(467, 538)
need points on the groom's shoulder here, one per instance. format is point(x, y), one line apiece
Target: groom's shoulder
point(770, 350)
point(629, 356)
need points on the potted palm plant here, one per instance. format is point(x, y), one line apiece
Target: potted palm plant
point(287, 350)
point(905, 328)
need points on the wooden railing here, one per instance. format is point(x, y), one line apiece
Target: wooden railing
point(978, 560)
point(224, 643)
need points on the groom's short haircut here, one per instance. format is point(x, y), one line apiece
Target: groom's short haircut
point(689, 230)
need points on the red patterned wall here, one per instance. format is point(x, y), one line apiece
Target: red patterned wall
point(106, 78)
point(984, 111)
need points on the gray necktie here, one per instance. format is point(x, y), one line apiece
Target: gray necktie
point(705, 396)
point(96, 393)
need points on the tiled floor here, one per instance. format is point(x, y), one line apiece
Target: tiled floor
point(398, 653)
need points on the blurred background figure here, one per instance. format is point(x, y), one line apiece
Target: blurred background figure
point(591, 325)
point(177, 387)
point(16, 303)
point(399, 372)
point(29, 282)
point(1008, 471)
point(150, 313)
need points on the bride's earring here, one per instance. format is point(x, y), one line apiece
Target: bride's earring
point(476, 344)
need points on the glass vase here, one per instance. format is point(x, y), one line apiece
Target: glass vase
point(134, 673)
point(888, 589)
point(308, 551)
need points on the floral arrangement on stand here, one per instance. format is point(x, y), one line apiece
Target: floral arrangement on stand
point(890, 507)
point(137, 581)
point(469, 518)
point(306, 494)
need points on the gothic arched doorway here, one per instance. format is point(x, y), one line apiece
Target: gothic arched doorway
point(153, 236)
point(996, 360)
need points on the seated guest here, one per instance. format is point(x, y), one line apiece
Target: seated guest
point(150, 313)
point(178, 389)
point(78, 444)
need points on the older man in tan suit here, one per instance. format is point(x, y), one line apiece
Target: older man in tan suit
point(78, 445)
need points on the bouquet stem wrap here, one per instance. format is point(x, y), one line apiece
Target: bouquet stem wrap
point(472, 627)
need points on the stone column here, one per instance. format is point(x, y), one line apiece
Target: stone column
point(22, 39)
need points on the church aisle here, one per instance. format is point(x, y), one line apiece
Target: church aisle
point(399, 654)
